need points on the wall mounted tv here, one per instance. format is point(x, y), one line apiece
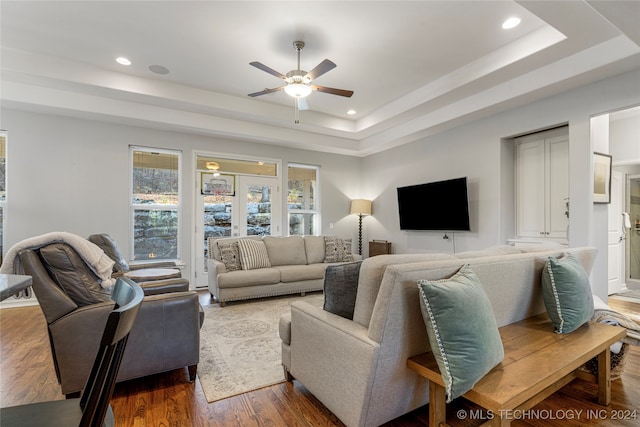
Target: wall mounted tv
point(435, 206)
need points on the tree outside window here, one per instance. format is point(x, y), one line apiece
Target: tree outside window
point(302, 200)
point(155, 204)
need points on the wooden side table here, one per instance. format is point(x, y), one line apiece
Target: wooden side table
point(379, 247)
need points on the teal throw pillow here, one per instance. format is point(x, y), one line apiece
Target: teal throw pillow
point(462, 330)
point(567, 293)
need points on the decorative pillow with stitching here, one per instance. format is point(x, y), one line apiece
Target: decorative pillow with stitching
point(253, 254)
point(567, 294)
point(462, 329)
point(73, 275)
point(341, 288)
point(337, 250)
point(230, 256)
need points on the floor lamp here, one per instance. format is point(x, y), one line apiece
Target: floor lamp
point(360, 207)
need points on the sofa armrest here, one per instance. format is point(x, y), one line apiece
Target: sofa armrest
point(334, 358)
point(214, 267)
point(156, 287)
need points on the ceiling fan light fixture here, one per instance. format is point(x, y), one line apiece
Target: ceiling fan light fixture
point(297, 90)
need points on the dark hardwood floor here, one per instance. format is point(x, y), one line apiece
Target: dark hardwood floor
point(27, 375)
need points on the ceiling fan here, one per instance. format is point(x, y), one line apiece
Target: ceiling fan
point(298, 82)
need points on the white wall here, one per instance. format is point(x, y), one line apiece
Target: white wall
point(72, 174)
point(67, 174)
point(476, 150)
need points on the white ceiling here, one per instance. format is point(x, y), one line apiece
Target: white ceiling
point(416, 67)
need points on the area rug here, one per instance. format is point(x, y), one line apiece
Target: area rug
point(240, 349)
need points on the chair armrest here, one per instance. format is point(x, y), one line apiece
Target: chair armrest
point(156, 287)
point(75, 338)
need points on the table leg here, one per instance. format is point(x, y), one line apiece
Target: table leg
point(437, 405)
point(604, 377)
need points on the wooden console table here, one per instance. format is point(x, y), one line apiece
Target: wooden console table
point(11, 284)
point(537, 363)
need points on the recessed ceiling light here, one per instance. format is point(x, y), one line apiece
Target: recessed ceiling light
point(510, 23)
point(123, 61)
point(351, 112)
point(158, 69)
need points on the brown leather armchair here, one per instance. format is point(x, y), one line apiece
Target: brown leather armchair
point(166, 334)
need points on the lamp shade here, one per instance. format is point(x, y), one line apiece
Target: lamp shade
point(361, 207)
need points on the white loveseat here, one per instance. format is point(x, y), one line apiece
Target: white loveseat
point(294, 264)
point(357, 368)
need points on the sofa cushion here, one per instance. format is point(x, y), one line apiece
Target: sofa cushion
point(73, 275)
point(285, 250)
point(253, 254)
point(245, 278)
point(297, 273)
point(314, 248)
point(567, 294)
point(230, 255)
point(341, 288)
point(462, 329)
point(337, 250)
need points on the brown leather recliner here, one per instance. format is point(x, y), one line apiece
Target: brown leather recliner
point(137, 272)
point(166, 334)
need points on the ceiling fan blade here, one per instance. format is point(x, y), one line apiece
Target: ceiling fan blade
point(333, 91)
point(269, 70)
point(266, 91)
point(320, 69)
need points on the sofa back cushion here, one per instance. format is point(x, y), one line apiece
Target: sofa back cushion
point(285, 250)
point(314, 248)
point(371, 274)
point(73, 275)
point(512, 283)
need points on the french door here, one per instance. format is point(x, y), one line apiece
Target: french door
point(254, 209)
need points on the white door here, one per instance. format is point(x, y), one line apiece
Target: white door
point(616, 243)
point(259, 206)
point(254, 209)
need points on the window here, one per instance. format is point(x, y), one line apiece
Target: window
point(3, 187)
point(302, 200)
point(155, 204)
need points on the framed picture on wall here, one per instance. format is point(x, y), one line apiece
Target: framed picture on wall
point(221, 185)
point(601, 178)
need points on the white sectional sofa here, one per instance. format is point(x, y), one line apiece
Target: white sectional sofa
point(357, 367)
point(294, 264)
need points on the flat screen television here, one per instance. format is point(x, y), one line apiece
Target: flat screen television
point(435, 206)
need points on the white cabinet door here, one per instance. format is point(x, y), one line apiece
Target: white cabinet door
point(530, 194)
point(542, 185)
point(557, 186)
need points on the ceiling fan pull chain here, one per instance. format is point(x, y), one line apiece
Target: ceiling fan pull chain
point(296, 118)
